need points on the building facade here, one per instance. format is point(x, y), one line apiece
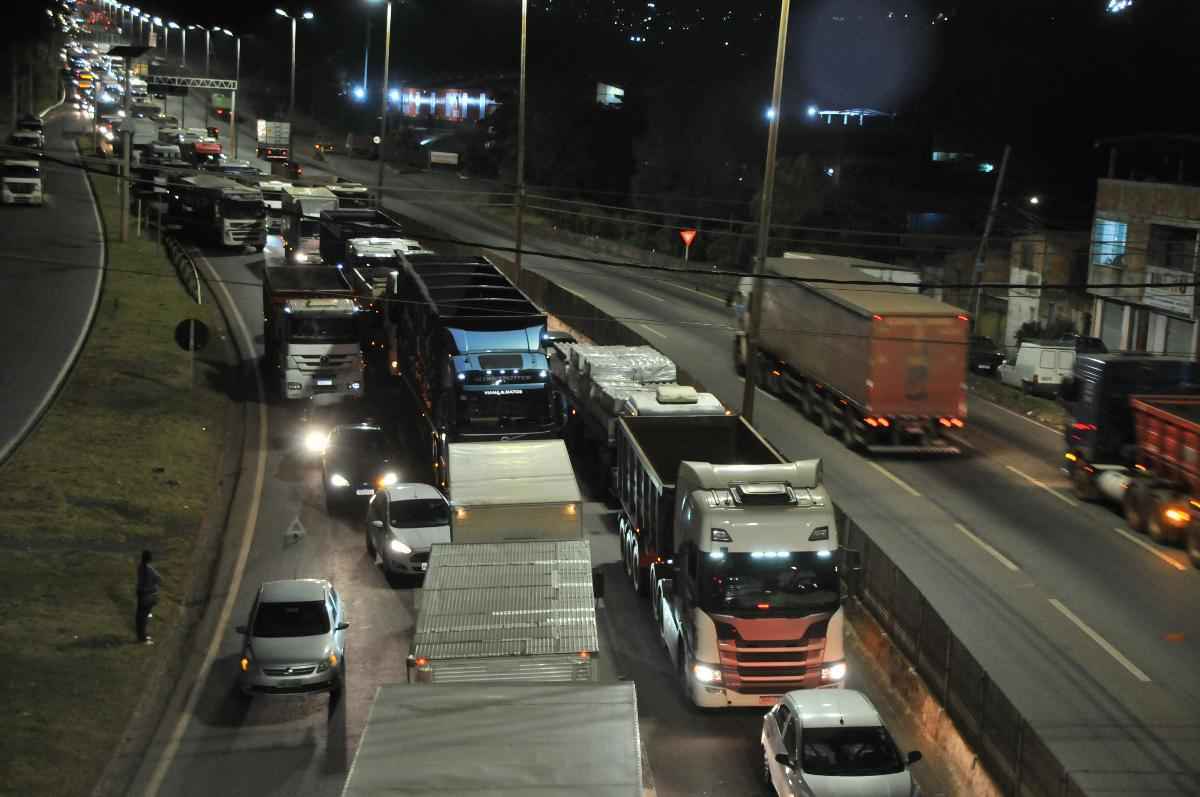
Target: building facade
point(1144, 246)
point(1049, 258)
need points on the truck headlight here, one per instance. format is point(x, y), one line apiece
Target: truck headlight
point(387, 479)
point(834, 672)
point(706, 673)
point(338, 480)
point(299, 257)
point(395, 546)
point(1176, 517)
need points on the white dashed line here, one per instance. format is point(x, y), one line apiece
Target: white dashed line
point(1143, 544)
point(1044, 486)
point(1101, 641)
point(653, 331)
point(648, 295)
point(1004, 560)
point(895, 479)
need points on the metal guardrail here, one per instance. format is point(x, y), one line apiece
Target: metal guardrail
point(185, 268)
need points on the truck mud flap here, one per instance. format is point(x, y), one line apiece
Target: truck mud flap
point(929, 450)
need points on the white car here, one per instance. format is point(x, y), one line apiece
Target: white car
point(403, 522)
point(826, 742)
point(21, 183)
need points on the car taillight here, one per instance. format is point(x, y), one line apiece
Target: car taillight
point(1083, 427)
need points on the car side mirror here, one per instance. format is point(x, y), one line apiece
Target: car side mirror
point(241, 629)
point(344, 626)
point(914, 756)
point(377, 524)
point(783, 758)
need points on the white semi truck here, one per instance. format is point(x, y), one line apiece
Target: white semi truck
point(312, 333)
point(301, 221)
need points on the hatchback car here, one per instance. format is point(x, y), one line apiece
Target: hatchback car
point(356, 462)
point(822, 742)
point(983, 355)
point(295, 640)
point(403, 522)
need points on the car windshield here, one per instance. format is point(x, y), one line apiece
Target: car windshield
point(742, 582)
point(22, 171)
point(302, 618)
point(324, 330)
point(849, 752)
point(366, 441)
point(419, 512)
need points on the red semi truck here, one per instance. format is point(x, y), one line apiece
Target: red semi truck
point(875, 363)
point(1166, 489)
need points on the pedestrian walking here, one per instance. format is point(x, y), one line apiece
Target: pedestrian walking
point(148, 581)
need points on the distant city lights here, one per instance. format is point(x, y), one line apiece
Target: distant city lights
point(1118, 6)
point(812, 110)
point(829, 172)
point(394, 96)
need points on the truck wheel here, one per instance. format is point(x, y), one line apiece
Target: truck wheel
point(1081, 484)
point(828, 424)
point(1133, 506)
point(1193, 544)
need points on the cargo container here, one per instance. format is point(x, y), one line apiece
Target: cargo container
point(874, 363)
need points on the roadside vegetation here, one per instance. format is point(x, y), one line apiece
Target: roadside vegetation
point(1036, 408)
point(126, 459)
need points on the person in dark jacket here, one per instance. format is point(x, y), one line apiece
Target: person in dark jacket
point(148, 581)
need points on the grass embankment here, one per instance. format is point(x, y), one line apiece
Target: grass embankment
point(126, 459)
point(1042, 410)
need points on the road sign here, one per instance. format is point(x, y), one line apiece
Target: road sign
point(688, 236)
point(191, 335)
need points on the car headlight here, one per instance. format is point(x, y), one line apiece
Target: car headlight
point(329, 661)
point(387, 479)
point(300, 257)
point(706, 673)
point(316, 441)
point(338, 480)
point(834, 672)
point(398, 547)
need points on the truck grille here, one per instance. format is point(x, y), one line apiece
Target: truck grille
point(312, 363)
point(244, 232)
point(770, 666)
point(21, 188)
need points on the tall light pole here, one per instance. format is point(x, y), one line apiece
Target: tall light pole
point(166, 32)
point(520, 227)
point(366, 55)
point(764, 219)
point(183, 58)
point(292, 92)
point(159, 22)
point(237, 73)
point(383, 94)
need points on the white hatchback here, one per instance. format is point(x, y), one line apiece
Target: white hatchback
point(831, 742)
point(403, 522)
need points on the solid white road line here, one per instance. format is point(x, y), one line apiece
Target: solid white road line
point(895, 478)
point(1143, 544)
point(1044, 486)
point(654, 331)
point(648, 295)
point(1101, 641)
point(1027, 419)
point(1004, 560)
point(239, 568)
point(7, 449)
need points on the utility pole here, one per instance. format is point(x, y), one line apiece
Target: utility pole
point(237, 77)
point(383, 99)
point(520, 214)
point(764, 219)
point(981, 254)
point(126, 141)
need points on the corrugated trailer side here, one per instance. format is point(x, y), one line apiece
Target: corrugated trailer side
point(1168, 438)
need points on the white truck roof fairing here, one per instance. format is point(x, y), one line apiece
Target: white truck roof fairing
point(511, 472)
point(385, 247)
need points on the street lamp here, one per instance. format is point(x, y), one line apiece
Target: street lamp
point(170, 26)
point(764, 218)
point(237, 73)
point(292, 93)
point(520, 148)
point(383, 94)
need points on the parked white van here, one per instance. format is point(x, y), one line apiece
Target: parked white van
point(1040, 366)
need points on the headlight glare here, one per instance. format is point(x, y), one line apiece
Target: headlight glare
point(338, 480)
point(706, 673)
point(398, 547)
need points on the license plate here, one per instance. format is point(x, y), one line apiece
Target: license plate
point(367, 491)
point(324, 383)
point(769, 700)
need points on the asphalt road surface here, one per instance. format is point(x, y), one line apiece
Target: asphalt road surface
point(51, 260)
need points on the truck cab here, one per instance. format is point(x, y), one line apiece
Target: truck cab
point(752, 608)
point(301, 228)
point(312, 333)
point(272, 191)
point(351, 195)
point(220, 209)
point(21, 183)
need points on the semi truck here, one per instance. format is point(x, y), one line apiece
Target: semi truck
point(1131, 436)
point(272, 191)
point(301, 227)
point(737, 549)
point(351, 195)
point(554, 740)
point(467, 345)
point(340, 225)
point(201, 153)
point(502, 491)
point(873, 363)
point(274, 140)
point(218, 209)
point(311, 334)
point(507, 611)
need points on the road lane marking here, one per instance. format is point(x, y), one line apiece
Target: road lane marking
point(1044, 486)
point(895, 478)
point(653, 331)
point(239, 568)
point(1051, 429)
point(1101, 641)
point(649, 295)
point(1142, 543)
point(1004, 560)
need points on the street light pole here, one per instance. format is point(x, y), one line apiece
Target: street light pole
point(183, 61)
point(207, 51)
point(366, 54)
point(519, 220)
point(383, 101)
point(764, 219)
point(237, 76)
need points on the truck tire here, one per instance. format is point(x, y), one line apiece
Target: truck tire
point(828, 424)
point(1133, 506)
point(1081, 484)
point(1152, 508)
point(1193, 544)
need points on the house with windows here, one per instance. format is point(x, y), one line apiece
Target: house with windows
point(1143, 255)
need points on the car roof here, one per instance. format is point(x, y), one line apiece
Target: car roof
point(411, 491)
point(294, 589)
point(832, 708)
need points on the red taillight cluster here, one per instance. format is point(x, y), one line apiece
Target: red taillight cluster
point(956, 423)
point(1083, 427)
point(884, 422)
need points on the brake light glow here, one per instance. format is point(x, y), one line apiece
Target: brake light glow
point(957, 423)
point(944, 422)
point(963, 318)
point(877, 317)
point(1083, 427)
point(763, 605)
point(884, 422)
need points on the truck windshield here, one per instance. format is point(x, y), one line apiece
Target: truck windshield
point(353, 202)
point(27, 172)
point(310, 228)
point(322, 330)
point(504, 409)
point(741, 582)
point(242, 208)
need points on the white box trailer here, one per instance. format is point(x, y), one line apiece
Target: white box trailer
point(511, 611)
point(553, 740)
point(513, 490)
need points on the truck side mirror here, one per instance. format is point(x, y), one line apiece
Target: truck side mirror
point(597, 584)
